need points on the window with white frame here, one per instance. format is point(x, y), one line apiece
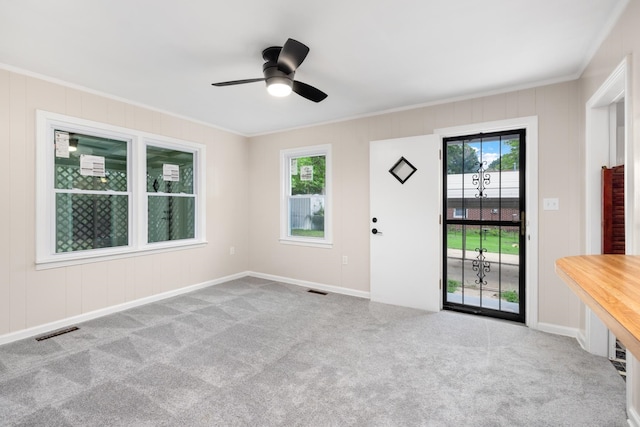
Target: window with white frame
point(105, 191)
point(92, 191)
point(171, 200)
point(305, 214)
point(460, 213)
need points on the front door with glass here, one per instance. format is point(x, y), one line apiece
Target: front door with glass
point(483, 227)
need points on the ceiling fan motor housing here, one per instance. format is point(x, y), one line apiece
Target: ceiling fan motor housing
point(273, 75)
point(271, 54)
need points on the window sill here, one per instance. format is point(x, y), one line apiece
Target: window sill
point(306, 242)
point(100, 257)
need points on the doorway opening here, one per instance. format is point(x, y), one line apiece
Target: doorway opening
point(484, 228)
point(608, 143)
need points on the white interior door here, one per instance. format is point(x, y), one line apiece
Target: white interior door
point(404, 224)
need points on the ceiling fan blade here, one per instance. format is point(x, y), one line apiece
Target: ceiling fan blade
point(238, 82)
point(291, 56)
point(308, 91)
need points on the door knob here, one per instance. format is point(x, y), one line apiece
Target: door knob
point(375, 231)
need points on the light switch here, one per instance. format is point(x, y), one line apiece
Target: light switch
point(550, 204)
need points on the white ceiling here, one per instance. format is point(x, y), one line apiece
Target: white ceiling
point(369, 56)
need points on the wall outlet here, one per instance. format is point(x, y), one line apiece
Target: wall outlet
point(345, 260)
point(232, 250)
point(550, 204)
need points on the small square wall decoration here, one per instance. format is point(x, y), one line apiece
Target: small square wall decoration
point(402, 170)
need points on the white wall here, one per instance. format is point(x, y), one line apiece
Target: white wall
point(560, 232)
point(623, 40)
point(30, 298)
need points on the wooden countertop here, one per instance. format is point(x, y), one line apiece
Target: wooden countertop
point(610, 286)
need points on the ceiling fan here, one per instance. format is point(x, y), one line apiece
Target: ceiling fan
point(281, 63)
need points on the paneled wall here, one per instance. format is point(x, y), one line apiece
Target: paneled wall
point(623, 41)
point(30, 297)
point(560, 232)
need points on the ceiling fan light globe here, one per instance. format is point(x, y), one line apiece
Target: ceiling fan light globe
point(279, 89)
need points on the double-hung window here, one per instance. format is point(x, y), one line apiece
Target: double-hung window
point(105, 191)
point(171, 201)
point(92, 191)
point(305, 215)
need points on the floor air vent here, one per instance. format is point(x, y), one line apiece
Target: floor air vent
point(313, 291)
point(56, 333)
point(620, 362)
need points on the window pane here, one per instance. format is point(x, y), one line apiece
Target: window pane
point(307, 216)
point(490, 192)
point(307, 201)
point(170, 218)
point(91, 221)
point(169, 171)
point(68, 174)
point(308, 175)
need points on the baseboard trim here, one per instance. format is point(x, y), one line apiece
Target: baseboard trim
point(69, 321)
point(558, 330)
point(582, 340)
point(634, 417)
point(313, 285)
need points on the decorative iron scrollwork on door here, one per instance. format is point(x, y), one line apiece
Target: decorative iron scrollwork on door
point(481, 266)
point(481, 180)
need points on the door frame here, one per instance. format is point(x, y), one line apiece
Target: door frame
point(595, 336)
point(530, 124)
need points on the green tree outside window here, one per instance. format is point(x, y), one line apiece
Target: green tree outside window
point(314, 186)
